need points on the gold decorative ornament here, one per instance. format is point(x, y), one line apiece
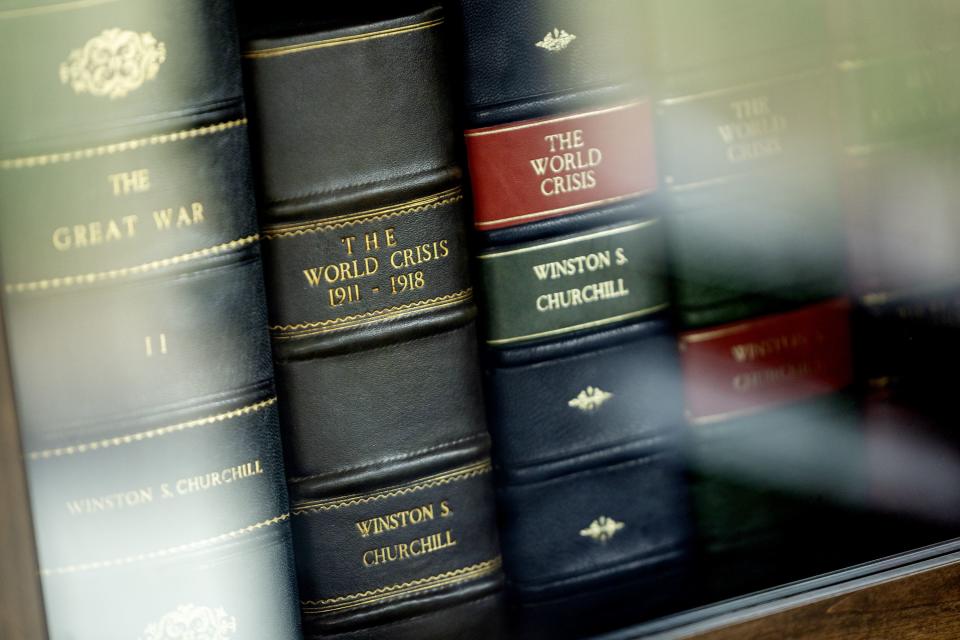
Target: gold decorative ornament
point(590, 399)
point(199, 623)
point(602, 529)
point(556, 40)
point(113, 63)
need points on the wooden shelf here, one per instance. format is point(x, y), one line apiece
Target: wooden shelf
point(21, 608)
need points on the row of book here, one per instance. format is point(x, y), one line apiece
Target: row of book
point(282, 392)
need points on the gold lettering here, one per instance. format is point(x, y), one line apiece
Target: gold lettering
point(127, 182)
point(110, 502)
point(573, 266)
point(183, 216)
point(130, 222)
point(389, 233)
point(589, 294)
point(566, 140)
point(212, 479)
point(92, 234)
point(753, 380)
point(404, 550)
point(752, 351)
point(397, 520)
point(162, 345)
point(341, 274)
point(572, 167)
point(62, 240)
point(755, 131)
point(313, 276)
point(421, 253)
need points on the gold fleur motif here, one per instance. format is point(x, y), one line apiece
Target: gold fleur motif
point(113, 63)
point(602, 529)
point(590, 399)
point(556, 40)
point(189, 620)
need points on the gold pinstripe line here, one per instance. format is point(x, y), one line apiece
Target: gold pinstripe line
point(353, 600)
point(574, 207)
point(346, 322)
point(498, 129)
point(732, 329)
point(333, 42)
point(578, 327)
point(571, 240)
point(413, 206)
point(437, 480)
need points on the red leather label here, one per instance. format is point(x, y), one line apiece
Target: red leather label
point(742, 367)
point(526, 171)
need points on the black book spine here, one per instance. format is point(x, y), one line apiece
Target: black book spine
point(136, 314)
point(372, 317)
point(581, 366)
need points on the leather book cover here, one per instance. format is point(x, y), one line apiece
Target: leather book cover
point(581, 366)
point(136, 314)
point(372, 316)
point(898, 100)
point(745, 121)
point(744, 129)
point(775, 446)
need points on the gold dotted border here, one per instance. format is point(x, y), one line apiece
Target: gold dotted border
point(162, 553)
point(381, 213)
point(440, 479)
point(114, 274)
point(152, 433)
point(345, 322)
point(363, 598)
point(117, 147)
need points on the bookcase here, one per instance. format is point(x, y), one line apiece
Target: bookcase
point(479, 319)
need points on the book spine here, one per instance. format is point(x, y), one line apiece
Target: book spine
point(897, 143)
point(134, 293)
point(581, 369)
point(758, 256)
point(749, 366)
point(744, 130)
point(372, 318)
point(562, 164)
point(775, 444)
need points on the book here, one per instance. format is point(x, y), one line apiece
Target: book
point(897, 144)
point(758, 255)
point(135, 309)
point(744, 135)
point(373, 323)
point(896, 140)
point(775, 448)
point(581, 365)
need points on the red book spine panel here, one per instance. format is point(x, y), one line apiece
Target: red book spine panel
point(743, 367)
point(548, 167)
